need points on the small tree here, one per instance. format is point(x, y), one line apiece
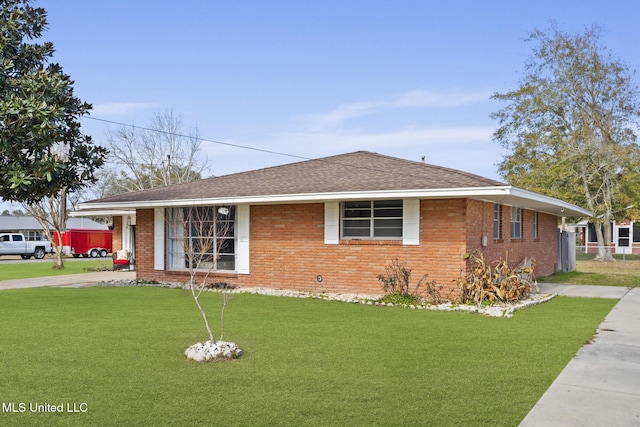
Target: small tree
point(199, 238)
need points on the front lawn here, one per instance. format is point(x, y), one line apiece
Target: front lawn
point(28, 269)
point(623, 272)
point(117, 353)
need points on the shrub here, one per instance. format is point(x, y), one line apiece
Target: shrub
point(502, 283)
point(396, 282)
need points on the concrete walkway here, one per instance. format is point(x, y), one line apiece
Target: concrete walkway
point(601, 385)
point(68, 280)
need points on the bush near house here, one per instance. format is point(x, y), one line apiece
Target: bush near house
point(501, 283)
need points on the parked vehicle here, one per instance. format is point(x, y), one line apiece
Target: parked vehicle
point(16, 244)
point(87, 243)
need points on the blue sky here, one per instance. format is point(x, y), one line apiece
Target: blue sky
point(317, 78)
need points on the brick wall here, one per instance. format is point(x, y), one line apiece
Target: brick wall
point(288, 250)
point(543, 249)
point(116, 237)
point(144, 247)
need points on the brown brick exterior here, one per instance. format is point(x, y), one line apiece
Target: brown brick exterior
point(288, 250)
point(116, 236)
point(144, 249)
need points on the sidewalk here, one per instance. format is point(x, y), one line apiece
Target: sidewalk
point(601, 385)
point(68, 280)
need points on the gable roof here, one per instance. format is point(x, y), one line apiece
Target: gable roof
point(357, 175)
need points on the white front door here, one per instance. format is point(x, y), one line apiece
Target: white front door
point(623, 239)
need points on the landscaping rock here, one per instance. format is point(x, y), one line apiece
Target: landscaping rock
point(209, 350)
point(494, 310)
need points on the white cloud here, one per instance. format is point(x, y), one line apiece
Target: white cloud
point(344, 141)
point(120, 108)
point(413, 99)
point(421, 98)
point(466, 148)
point(343, 113)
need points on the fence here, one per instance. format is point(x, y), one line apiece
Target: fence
point(590, 252)
point(566, 251)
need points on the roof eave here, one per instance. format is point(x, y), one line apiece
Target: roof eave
point(498, 194)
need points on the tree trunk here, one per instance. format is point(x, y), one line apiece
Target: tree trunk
point(58, 261)
point(604, 240)
point(196, 298)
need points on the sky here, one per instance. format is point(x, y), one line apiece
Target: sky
point(310, 79)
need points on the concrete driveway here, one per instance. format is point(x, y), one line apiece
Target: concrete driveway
point(68, 280)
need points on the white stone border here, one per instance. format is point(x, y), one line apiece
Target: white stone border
point(493, 310)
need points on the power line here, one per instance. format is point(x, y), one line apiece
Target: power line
point(246, 147)
point(228, 144)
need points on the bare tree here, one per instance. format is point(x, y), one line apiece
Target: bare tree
point(201, 239)
point(154, 156)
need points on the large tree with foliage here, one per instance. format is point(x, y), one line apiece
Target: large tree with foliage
point(43, 154)
point(42, 151)
point(570, 127)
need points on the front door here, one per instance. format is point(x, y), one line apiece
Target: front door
point(623, 239)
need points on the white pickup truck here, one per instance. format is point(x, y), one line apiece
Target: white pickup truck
point(16, 244)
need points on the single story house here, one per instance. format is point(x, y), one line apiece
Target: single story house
point(332, 224)
point(625, 237)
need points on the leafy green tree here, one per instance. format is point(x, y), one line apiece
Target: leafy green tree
point(570, 127)
point(42, 151)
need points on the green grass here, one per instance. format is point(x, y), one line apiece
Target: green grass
point(24, 270)
point(590, 278)
point(306, 363)
point(625, 272)
point(580, 256)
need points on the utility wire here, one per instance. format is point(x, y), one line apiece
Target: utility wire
point(228, 144)
point(246, 147)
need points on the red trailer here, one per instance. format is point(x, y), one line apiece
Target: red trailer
point(88, 243)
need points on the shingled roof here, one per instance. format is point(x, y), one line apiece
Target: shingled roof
point(352, 172)
point(347, 176)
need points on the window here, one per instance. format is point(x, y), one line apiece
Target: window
point(497, 221)
point(535, 224)
point(379, 219)
point(516, 223)
point(34, 235)
point(636, 232)
point(203, 238)
point(623, 236)
point(591, 230)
